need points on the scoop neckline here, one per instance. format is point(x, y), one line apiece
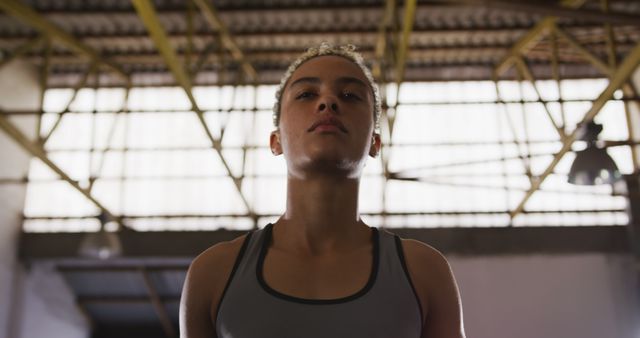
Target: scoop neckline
point(264, 246)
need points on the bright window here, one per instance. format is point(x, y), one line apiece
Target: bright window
point(155, 166)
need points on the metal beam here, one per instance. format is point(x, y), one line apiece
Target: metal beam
point(158, 305)
point(212, 17)
point(555, 74)
point(36, 150)
point(226, 111)
point(110, 135)
point(403, 47)
point(531, 38)
point(21, 50)
point(202, 59)
point(400, 65)
point(150, 19)
point(189, 33)
point(553, 10)
point(44, 80)
point(31, 17)
point(607, 69)
point(524, 69)
point(588, 55)
point(76, 89)
point(440, 54)
point(368, 214)
point(618, 79)
point(611, 41)
point(244, 38)
point(152, 23)
point(177, 248)
point(526, 163)
point(472, 71)
point(381, 41)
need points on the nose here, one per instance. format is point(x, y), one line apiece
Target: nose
point(328, 103)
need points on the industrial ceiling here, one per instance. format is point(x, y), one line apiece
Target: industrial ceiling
point(199, 42)
point(449, 40)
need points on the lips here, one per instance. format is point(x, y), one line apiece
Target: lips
point(328, 121)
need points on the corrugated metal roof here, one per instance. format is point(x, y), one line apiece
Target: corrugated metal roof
point(271, 33)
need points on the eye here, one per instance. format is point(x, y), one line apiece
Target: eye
point(350, 96)
point(305, 95)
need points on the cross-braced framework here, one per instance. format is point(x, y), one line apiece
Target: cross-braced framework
point(157, 115)
point(394, 60)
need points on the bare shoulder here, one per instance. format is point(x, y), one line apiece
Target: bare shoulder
point(214, 265)
point(437, 289)
point(424, 254)
point(428, 267)
point(203, 287)
point(220, 253)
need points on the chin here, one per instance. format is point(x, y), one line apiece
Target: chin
point(335, 165)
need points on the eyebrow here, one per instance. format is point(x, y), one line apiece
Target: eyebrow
point(341, 80)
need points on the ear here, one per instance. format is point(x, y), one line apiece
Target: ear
point(274, 143)
point(376, 144)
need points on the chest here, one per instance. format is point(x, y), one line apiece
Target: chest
point(328, 277)
point(283, 295)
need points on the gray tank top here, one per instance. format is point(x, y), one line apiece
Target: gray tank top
point(386, 307)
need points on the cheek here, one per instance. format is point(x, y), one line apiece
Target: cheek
point(290, 132)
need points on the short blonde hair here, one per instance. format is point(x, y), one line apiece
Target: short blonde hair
point(325, 48)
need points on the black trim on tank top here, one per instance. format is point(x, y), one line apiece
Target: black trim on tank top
point(406, 272)
point(266, 241)
point(245, 244)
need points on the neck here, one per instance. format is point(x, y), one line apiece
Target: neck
point(322, 215)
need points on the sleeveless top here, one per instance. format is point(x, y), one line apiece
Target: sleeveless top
point(387, 306)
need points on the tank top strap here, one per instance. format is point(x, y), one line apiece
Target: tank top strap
point(247, 259)
point(393, 267)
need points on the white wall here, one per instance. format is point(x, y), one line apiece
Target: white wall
point(634, 108)
point(548, 296)
point(49, 308)
point(30, 302)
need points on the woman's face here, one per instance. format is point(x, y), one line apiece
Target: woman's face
point(326, 118)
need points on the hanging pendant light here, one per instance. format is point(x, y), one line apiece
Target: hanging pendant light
point(102, 244)
point(593, 165)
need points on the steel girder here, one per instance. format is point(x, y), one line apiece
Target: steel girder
point(553, 10)
point(531, 38)
point(149, 17)
point(22, 49)
point(47, 28)
point(37, 151)
point(212, 17)
point(619, 77)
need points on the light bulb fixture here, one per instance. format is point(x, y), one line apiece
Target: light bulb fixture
point(593, 165)
point(102, 244)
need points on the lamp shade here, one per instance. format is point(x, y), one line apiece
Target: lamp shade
point(593, 166)
point(100, 245)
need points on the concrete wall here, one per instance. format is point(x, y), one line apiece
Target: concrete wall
point(33, 303)
point(550, 296)
point(634, 108)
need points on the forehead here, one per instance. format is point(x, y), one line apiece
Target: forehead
point(328, 68)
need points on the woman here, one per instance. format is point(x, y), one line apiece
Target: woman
point(320, 271)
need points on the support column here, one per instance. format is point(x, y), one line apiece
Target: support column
point(19, 89)
point(634, 116)
point(34, 298)
point(633, 210)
